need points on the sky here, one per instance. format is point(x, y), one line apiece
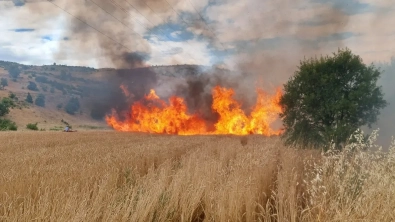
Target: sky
point(204, 32)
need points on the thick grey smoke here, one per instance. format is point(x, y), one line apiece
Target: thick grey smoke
point(267, 39)
point(386, 121)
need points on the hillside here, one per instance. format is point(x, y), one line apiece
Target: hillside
point(60, 83)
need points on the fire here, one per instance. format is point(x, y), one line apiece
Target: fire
point(154, 115)
point(233, 120)
point(159, 117)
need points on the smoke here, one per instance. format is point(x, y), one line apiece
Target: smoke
point(255, 63)
point(263, 42)
point(299, 33)
point(386, 121)
point(267, 44)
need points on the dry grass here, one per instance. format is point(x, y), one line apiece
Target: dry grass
point(108, 176)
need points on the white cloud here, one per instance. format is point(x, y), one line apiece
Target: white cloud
point(231, 21)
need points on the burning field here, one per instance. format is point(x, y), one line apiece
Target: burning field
point(155, 115)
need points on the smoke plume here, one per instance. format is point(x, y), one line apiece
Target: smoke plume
point(263, 42)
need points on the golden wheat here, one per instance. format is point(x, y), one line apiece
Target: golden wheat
point(109, 176)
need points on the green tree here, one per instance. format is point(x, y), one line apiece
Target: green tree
point(72, 106)
point(8, 102)
point(6, 124)
point(40, 100)
point(32, 86)
point(14, 72)
point(12, 95)
point(3, 83)
point(4, 108)
point(329, 98)
point(29, 98)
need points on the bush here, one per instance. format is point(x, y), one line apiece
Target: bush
point(6, 124)
point(32, 126)
point(14, 72)
point(3, 83)
point(12, 96)
point(59, 106)
point(72, 106)
point(52, 90)
point(32, 86)
point(40, 100)
point(8, 102)
point(29, 98)
point(41, 79)
point(4, 108)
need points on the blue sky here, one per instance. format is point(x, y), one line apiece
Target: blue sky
point(232, 30)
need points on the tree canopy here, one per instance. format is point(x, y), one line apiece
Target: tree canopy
point(4, 108)
point(72, 106)
point(3, 83)
point(32, 86)
point(329, 98)
point(29, 98)
point(14, 72)
point(40, 100)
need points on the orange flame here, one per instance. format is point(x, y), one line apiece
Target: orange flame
point(153, 115)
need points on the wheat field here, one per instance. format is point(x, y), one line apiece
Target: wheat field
point(111, 176)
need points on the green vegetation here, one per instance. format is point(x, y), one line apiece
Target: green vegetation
point(32, 86)
point(329, 98)
point(12, 96)
point(29, 98)
point(66, 123)
point(14, 72)
point(4, 108)
point(32, 126)
point(65, 88)
point(40, 100)
point(7, 101)
point(3, 83)
point(6, 124)
point(72, 106)
point(56, 128)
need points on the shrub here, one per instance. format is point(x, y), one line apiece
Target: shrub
point(29, 98)
point(4, 108)
point(12, 96)
point(72, 106)
point(8, 102)
point(32, 86)
point(14, 72)
point(40, 100)
point(66, 123)
point(32, 126)
point(3, 83)
point(6, 124)
point(42, 79)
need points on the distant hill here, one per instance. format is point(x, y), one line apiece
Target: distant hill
point(60, 83)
